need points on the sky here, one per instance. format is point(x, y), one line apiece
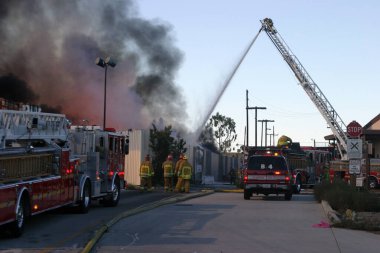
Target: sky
point(336, 42)
point(174, 57)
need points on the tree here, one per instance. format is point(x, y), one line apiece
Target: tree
point(178, 147)
point(223, 129)
point(162, 143)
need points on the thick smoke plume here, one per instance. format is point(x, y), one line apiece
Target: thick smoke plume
point(48, 51)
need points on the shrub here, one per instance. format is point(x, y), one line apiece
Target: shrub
point(342, 196)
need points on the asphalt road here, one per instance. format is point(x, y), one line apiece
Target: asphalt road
point(224, 222)
point(62, 230)
point(220, 222)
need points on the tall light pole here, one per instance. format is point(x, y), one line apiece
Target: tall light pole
point(104, 64)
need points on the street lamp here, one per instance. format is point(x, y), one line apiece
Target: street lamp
point(104, 64)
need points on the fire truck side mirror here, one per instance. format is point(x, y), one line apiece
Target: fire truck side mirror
point(126, 147)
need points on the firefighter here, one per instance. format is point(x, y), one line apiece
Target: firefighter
point(168, 168)
point(177, 165)
point(184, 175)
point(326, 172)
point(146, 174)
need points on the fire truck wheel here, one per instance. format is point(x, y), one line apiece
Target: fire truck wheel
point(85, 203)
point(114, 197)
point(372, 183)
point(298, 185)
point(288, 195)
point(247, 194)
point(17, 227)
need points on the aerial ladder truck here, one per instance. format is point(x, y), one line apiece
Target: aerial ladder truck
point(46, 164)
point(328, 112)
point(334, 121)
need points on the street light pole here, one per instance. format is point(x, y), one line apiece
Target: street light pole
point(104, 64)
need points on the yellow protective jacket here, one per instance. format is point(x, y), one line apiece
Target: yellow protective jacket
point(146, 169)
point(177, 166)
point(185, 170)
point(168, 168)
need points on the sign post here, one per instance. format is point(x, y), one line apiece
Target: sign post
point(354, 149)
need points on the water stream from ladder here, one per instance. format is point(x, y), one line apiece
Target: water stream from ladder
point(219, 94)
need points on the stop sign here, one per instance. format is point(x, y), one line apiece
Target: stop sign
point(354, 129)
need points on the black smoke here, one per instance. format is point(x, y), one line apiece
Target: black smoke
point(17, 90)
point(51, 47)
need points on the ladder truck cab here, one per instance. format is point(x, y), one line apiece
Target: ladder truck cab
point(46, 165)
point(101, 160)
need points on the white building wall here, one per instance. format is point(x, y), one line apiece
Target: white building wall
point(215, 165)
point(138, 148)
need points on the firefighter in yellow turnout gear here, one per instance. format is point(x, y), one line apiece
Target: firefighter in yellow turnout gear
point(177, 165)
point(146, 174)
point(184, 175)
point(168, 168)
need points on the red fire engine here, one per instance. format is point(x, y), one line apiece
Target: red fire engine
point(318, 158)
point(340, 170)
point(46, 165)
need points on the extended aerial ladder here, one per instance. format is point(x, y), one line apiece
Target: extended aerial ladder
point(311, 88)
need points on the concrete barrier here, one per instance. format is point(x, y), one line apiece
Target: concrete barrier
point(331, 214)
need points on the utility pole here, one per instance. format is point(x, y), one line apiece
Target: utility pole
point(262, 131)
point(266, 122)
point(257, 108)
point(252, 108)
point(273, 136)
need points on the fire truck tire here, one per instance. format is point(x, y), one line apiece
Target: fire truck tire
point(298, 185)
point(85, 203)
point(17, 227)
point(288, 195)
point(247, 194)
point(114, 197)
point(373, 183)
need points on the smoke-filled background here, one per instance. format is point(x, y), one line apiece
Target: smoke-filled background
point(48, 51)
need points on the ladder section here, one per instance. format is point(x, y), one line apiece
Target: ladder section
point(310, 87)
point(24, 125)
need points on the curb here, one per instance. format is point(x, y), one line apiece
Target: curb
point(171, 200)
point(331, 214)
point(230, 190)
